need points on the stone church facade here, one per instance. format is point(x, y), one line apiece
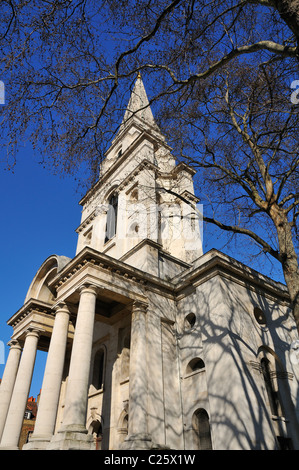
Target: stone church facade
point(151, 343)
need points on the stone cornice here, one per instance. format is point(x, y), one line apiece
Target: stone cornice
point(144, 164)
point(158, 247)
point(215, 262)
point(90, 256)
point(182, 166)
point(87, 221)
point(211, 264)
point(30, 306)
point(134, 121)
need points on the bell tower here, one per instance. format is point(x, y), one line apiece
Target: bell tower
point(143, 205)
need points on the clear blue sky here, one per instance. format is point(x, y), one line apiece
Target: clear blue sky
point(40, 213)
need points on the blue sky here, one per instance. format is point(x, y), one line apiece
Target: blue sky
point(40, 213)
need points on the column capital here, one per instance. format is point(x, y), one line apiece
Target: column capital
point(32, 331)
point(88, 287)
point(61, 306)
point(14, 344)
point(138, 305)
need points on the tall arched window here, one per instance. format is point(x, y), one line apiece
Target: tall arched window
point(271, 392)
point(98, 369)
point(111, 224)
point(201, 430)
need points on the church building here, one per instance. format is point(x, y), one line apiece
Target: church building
point(151, 343)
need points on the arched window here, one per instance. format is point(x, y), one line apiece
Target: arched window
point(123, 424)
point(189, 322)
point(98, 369)
point(111, 224)
point(201, 430)
point(271, 392)
point(194, 365)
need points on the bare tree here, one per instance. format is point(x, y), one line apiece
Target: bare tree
point(242, 133)
point(66, 63)
point(219, 74)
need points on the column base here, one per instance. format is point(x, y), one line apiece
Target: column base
point(37, 443)
point(71, 440)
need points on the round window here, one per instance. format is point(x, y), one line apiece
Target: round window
point(259, 316)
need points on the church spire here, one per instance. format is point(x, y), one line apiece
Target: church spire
point(138, 107)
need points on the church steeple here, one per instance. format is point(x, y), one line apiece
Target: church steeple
point(138, 120)
point(128, 207)
point(138, 108)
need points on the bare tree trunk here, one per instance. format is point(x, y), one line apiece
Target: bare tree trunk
point(289, 260)
point(289, 12)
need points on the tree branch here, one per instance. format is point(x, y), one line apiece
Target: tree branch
point(230, 228)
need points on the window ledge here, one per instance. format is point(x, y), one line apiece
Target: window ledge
point(109, 245)
point(280, 418)
point(190, 374)
point(124, 381)
point(96, 392)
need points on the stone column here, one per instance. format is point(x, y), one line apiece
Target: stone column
point(8, 380)
point(50, 393)
point(73, 433)
point(138, 437)
point(15, 415)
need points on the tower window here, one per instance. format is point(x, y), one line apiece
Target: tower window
point(98, 370)
point(189, 322)
point(271, 392)
point(195, 365)
point(111, 224)
point(201, 430)
point(259, 316)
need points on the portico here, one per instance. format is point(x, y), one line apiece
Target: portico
point(81, 304)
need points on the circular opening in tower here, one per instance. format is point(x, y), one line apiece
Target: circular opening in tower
point(259, 316)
